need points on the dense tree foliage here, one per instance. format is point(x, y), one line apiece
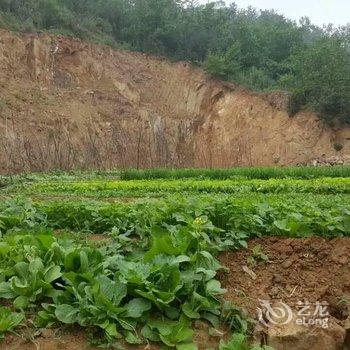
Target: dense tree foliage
point(320, 76)
point(259, 49)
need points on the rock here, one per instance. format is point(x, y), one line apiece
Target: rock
point(343, 260)
point(277, 278)
point(300, 337)
point(287, 264)
point(250, 272)
point(330, 161)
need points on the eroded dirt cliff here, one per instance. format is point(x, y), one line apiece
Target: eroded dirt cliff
point(69, 104)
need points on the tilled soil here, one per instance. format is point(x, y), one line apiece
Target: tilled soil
point(297, 270)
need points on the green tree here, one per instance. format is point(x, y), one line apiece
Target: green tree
point(320, 76)
point(226, 66)
point(53, 15)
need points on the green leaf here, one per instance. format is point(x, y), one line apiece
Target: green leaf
point(111, 330)
point(84, 262)
point(21, 286)
point(113, 290)
point(136, 307)
point(214, 320)
point(21, 302)
point(165, 243)
point(243, 243)
point(237, 342)
point(183, 331)
point(131, 338)
point(21, 269)
point(6, 291)
point(52, 273)
point(214, 288)
point(46, 240)
point(35, 266)
point(66, 313)
point(164, 327)
point(148, 333)
point(189, 346)
point(189, 312)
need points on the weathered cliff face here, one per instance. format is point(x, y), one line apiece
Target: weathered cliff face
point(68, 104)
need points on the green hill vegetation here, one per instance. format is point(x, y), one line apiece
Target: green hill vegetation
point(261, 50)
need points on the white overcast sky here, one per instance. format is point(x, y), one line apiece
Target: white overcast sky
point(319, 11)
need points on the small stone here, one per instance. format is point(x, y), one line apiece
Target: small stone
point(250, 272)
point(287, 264)
point(277, 278)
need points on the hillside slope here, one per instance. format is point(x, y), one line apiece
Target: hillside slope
point(69, 104)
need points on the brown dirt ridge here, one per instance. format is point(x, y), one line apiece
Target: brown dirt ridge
point(68, 104)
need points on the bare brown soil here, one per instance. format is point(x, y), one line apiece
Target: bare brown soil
point(313, 269)
point(67, 104)
point(77, 340)
point(49, 341)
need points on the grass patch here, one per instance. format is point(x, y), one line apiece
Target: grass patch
point(249, 173)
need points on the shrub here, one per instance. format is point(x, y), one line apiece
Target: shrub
point(296, 102)
point(338, 147)
point(321, 80)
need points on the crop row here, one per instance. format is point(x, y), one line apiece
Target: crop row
point(159, 187)
point(25, 178)
point(154, 295)
point(250, 215)
point(194, 173)
point(250, 173)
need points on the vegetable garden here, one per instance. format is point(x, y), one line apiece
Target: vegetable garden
point(154, 272)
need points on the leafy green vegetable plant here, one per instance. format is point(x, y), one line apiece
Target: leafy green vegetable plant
point(239, 342)
point(9, 320)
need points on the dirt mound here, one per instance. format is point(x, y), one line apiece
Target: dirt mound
point(69, 104)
